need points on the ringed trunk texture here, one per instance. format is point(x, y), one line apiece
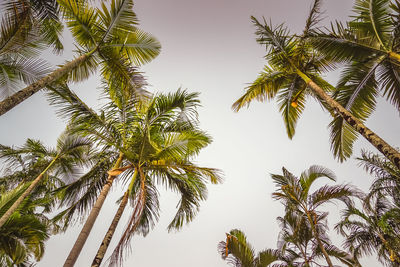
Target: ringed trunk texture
point(32, 186)
point(84, 234)
point(389, 152)
point(12, 101)
point(110, 232)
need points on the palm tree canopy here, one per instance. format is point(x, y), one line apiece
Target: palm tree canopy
point(158, 137)
point(369, 47)
point(238, 252)
point(23, 236)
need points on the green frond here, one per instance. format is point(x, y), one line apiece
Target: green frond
point(82, 20)
point(138, 46)
point(291, 102)
point(265, 87)
point(388, 75)
point(373, 18)
point(236, 250)
point(16, 71)
point(357, 93)
point(330, 193)
point(116, 19)
point(342, 44)
point(308, 177)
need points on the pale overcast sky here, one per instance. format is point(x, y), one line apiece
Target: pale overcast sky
point(209, 46)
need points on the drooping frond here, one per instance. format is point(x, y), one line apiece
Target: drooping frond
point(265, 87)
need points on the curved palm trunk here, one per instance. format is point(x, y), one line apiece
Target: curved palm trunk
point(111, 230)
point(27, 192)
point(12, 101)
point(84, 234)
point(392, 154)
point(320, 245)
point(393, 255)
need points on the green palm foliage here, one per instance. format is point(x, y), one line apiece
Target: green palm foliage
point(48, 165)
point(280, 78)
point(238, 252)
point(375, 228)
point(23, 236)
point(295, 194)
point(387, 178)
point(295, 71)
point(21, 41)
point(107, 39)
point(296, 239)
point(158, 138)
point(369, 45)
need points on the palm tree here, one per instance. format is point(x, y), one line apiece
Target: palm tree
point(118, 129)
point(22, 237)
point(22, 38)
point(387, 178)
point(238, 252)
point(294, 72)
point(369, 46)
point(295, 194)
point(105, 37)
point(161, 144)
point(374, 228)
point(68, 155)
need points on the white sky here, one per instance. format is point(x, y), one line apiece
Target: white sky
point(209, 46)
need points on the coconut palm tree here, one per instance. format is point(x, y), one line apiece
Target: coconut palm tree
point(69, 154)
point(21, 41)
point(106, 37)
point(294, 72)
point(295, 194)
point(22, 237)
point(124, 127)
point(369, 47)
point(238, 252)
point(375, 228)
point(161, 144)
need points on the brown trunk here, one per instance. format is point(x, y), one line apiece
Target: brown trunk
point(11, 101)
point(84, 234)
point(389, 152)
point(32, 186)
point(316, 235)
point(111, 230)
point(387, 246)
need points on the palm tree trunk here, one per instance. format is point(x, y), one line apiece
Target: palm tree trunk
point(316, 235)
point(12, 101)
point(392, 154)
point(388, 247)
point(84, 234)
point(32, 186)
point(111, 230)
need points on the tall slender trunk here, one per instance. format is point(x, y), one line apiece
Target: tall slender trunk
point(87, 227)
point(316, 235)
point(32, 186)
point(111, 230)
point(389, 152)
point(13, 100)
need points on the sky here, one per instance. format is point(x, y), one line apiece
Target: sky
point(209, 47)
